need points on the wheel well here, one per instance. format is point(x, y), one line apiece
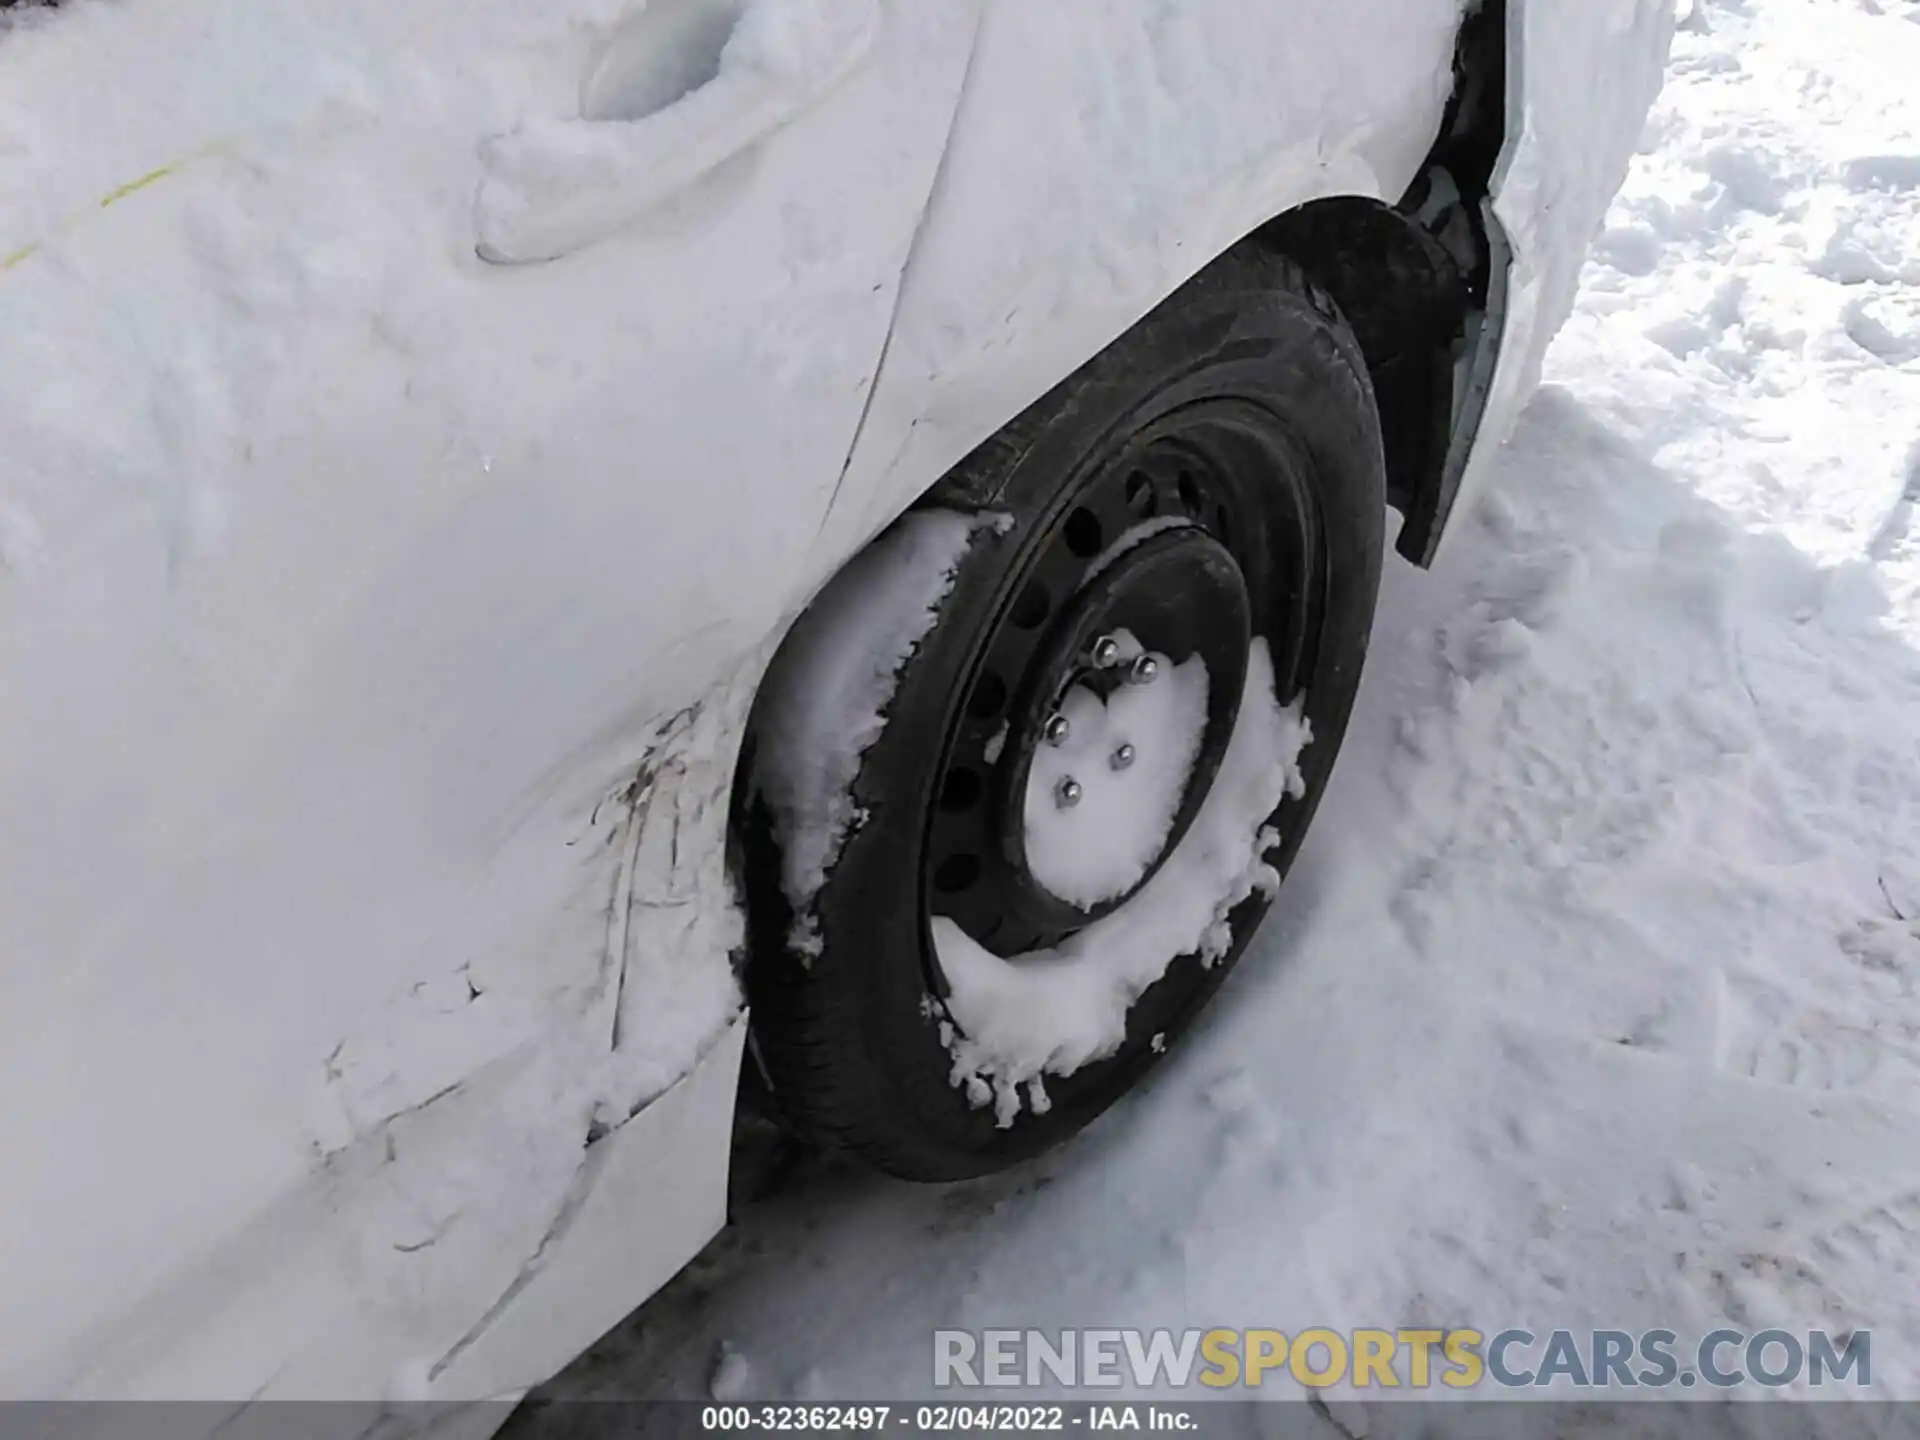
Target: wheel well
point(1416, 280)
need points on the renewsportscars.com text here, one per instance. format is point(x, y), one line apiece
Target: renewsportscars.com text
point(1460, 1359)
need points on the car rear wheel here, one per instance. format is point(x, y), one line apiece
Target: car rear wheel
point(1024, 779)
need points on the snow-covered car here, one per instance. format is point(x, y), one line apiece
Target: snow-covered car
point(551, 553)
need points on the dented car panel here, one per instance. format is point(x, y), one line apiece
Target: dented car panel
point(377, 664)
point(452, 1247)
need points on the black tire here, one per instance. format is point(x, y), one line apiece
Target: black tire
point(845, 1040)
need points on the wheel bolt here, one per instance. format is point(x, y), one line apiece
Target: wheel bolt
point(1145, 670)
point(1057, 729)
point(1067, 794)
point(1106, 652)
point(1122, 758)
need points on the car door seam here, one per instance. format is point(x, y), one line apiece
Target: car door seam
point(906, 269)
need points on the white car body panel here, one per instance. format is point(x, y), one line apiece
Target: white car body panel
point(1003, 299)
point(374, 679)
point(1085, 183)
point(369, 591)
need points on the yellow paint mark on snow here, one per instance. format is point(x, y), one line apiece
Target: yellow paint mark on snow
point(144, 181)
point(7, 262)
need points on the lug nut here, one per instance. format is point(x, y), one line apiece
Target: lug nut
point(1122, 758)
point(1057, 729)
point(1145, 670)
point(1067, 794)
point(1106, 652)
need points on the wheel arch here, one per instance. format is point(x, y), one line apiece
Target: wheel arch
point(1423, 282)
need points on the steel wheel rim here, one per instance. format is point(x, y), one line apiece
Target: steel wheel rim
point(1223, 481)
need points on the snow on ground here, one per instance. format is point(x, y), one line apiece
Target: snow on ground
point(1594, 999)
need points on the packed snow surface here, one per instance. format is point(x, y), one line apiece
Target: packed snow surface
point(1051, 1011)
point(1129, 756)
point(1594, 996)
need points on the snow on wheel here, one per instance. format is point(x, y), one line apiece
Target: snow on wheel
point(1023, 780)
